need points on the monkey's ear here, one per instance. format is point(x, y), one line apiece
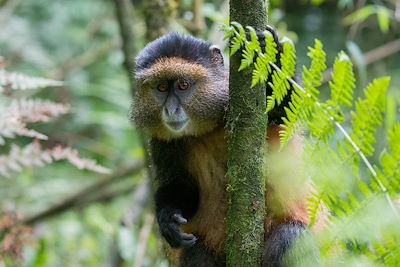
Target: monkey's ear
point(216, 55)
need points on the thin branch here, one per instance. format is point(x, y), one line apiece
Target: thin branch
point(141, 196)
point(73, 200)
point(198, 24)
point(123, 13)
point(143, 240)
point(140, 199)
point(355, 26)
point(371, 56)
point(106, 197)
point(123, 10)
point(382, 52)
point(85, 59)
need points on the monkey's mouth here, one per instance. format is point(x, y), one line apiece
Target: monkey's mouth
point(176, 126)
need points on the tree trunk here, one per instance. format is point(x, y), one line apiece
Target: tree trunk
point(246, 130)
point(158, 16)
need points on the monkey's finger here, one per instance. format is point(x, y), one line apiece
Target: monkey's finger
point(173, 235)
point(186, 236)
point(188, 240)
point(179, 219)
point(189, 243)
point(272, 31)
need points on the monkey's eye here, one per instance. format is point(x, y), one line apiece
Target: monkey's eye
point(183, 85)
point(162, 87)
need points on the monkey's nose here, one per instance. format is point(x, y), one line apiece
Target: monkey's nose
point(171, 112)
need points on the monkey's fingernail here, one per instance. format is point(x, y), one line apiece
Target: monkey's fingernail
point(179, 219)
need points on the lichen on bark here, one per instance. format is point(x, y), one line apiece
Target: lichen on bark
point(246, 131)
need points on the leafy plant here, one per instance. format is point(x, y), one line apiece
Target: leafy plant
point(384, 16)
point(361, 196)
point(17, 113)
point(16, 117)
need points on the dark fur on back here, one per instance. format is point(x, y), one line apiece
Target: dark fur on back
point(174, 45)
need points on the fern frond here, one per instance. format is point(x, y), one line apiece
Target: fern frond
point(390, 162)
point(14, 118)
point(33, 155)
point(228, 30)
point(262, 68)
point(36, 110)
point(247, 58)
point(343, 81)
point(393, 141)
point(10, 127)
point(288, 57)
point(251, 48)
point(320, 123)
point(280, 84)
point(304, 99)
point(254, 42)
point(314, 202)
point(294, 113)
point(238, 39)
point(18, 81)
point(261, 71)
point(312, 77)
point(387, 250)
point(271, 47)
point(368, 115)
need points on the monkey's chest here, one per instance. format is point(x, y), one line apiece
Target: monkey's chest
point(208, 161)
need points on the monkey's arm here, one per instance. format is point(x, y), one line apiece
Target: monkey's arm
point(176, 198)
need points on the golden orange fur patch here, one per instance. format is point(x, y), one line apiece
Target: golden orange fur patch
point(208, 159)
point(172, 68)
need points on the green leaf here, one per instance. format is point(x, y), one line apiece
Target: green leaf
point(343, 81)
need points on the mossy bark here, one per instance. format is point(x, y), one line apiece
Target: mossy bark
point(246, 130)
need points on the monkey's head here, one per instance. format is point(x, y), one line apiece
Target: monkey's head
point(182, 87)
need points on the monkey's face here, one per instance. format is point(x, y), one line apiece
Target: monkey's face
point(177, 98)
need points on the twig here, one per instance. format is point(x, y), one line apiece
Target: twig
point(141, 196)
point(198, 19)
point(106, 197)
point(140, 199)
point(123, 13)
point(143, 240)
point(355, 26)
point(85, 59)
point(382, 52)
point(75, 199)
point(371, 56)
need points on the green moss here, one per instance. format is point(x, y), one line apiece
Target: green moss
point(246, 137)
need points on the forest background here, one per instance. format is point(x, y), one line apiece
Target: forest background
point(76, 217)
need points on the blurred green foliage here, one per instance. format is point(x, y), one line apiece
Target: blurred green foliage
point(78, 42)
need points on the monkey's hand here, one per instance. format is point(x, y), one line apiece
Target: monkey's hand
point(169, 221)
point(290, 245)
